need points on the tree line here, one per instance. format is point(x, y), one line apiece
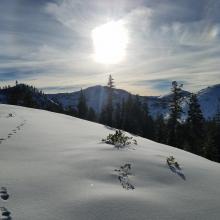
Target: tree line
point(194, 134)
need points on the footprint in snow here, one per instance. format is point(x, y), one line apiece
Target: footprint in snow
point(5, 214)
point(1, 140)
point(4, 193)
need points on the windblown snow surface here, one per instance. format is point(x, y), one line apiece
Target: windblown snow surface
point(55, 168)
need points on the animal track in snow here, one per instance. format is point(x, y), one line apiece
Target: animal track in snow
point(13, 131)
point(5, 214)
point(4, 193)
point(123, 174)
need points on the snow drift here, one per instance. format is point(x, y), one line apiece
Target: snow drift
point(55, 168)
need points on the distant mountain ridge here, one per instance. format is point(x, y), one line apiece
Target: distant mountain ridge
point(28, 96)
point(96, 96)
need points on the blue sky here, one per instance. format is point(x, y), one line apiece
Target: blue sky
point(48, 44)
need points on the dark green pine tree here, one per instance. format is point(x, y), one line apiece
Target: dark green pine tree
point(118, 116)
point(127, 123)
point(160, 129)
point(195, 126)
point(175, 114)
point(212, 145)
point(82, 106)
point(217, 115)
point(217, 133)
point(109, 107)
point(136, 116)
point(122, 114)
point(146, 122)
point(106, 116)
point(69, 110)
point(91, 114)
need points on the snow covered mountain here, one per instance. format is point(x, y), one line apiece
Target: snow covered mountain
point(209, 99)
point(96, 96)
point(54, 167)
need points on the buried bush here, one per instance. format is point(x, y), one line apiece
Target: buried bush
point(175, 167)
point(172, 161)
point(119, 139)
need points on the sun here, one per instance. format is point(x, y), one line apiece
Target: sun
point(110, 41)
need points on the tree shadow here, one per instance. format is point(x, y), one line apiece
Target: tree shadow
point(178, 171)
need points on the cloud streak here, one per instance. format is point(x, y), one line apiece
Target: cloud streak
point(48, 43)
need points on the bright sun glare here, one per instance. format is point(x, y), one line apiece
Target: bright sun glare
point(110, 41)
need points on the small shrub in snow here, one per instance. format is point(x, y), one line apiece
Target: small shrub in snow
point(119, 139)
point(171, 161)
point(175, 167)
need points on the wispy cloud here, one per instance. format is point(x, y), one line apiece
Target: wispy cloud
point(48, 43)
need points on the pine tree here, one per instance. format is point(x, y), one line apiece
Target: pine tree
point(175, 114)
point(148, 124)
point(217, 133)
point(109, 106)
point(212, 143)
point(111, 82)
point(217, 115)
point(82, 106)
point(127, 114)
point(107, 112)
point(161, 129)
point(69, 110)
point(91, 114)
point(118, 116)
point(136, 116)
point(195, 126)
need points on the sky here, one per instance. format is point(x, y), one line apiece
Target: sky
point(49, 44)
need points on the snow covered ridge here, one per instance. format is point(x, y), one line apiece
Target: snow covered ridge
point(55, 167)
point(96, 97)
point(26, 95)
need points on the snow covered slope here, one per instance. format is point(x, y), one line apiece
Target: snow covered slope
point(55, 168)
